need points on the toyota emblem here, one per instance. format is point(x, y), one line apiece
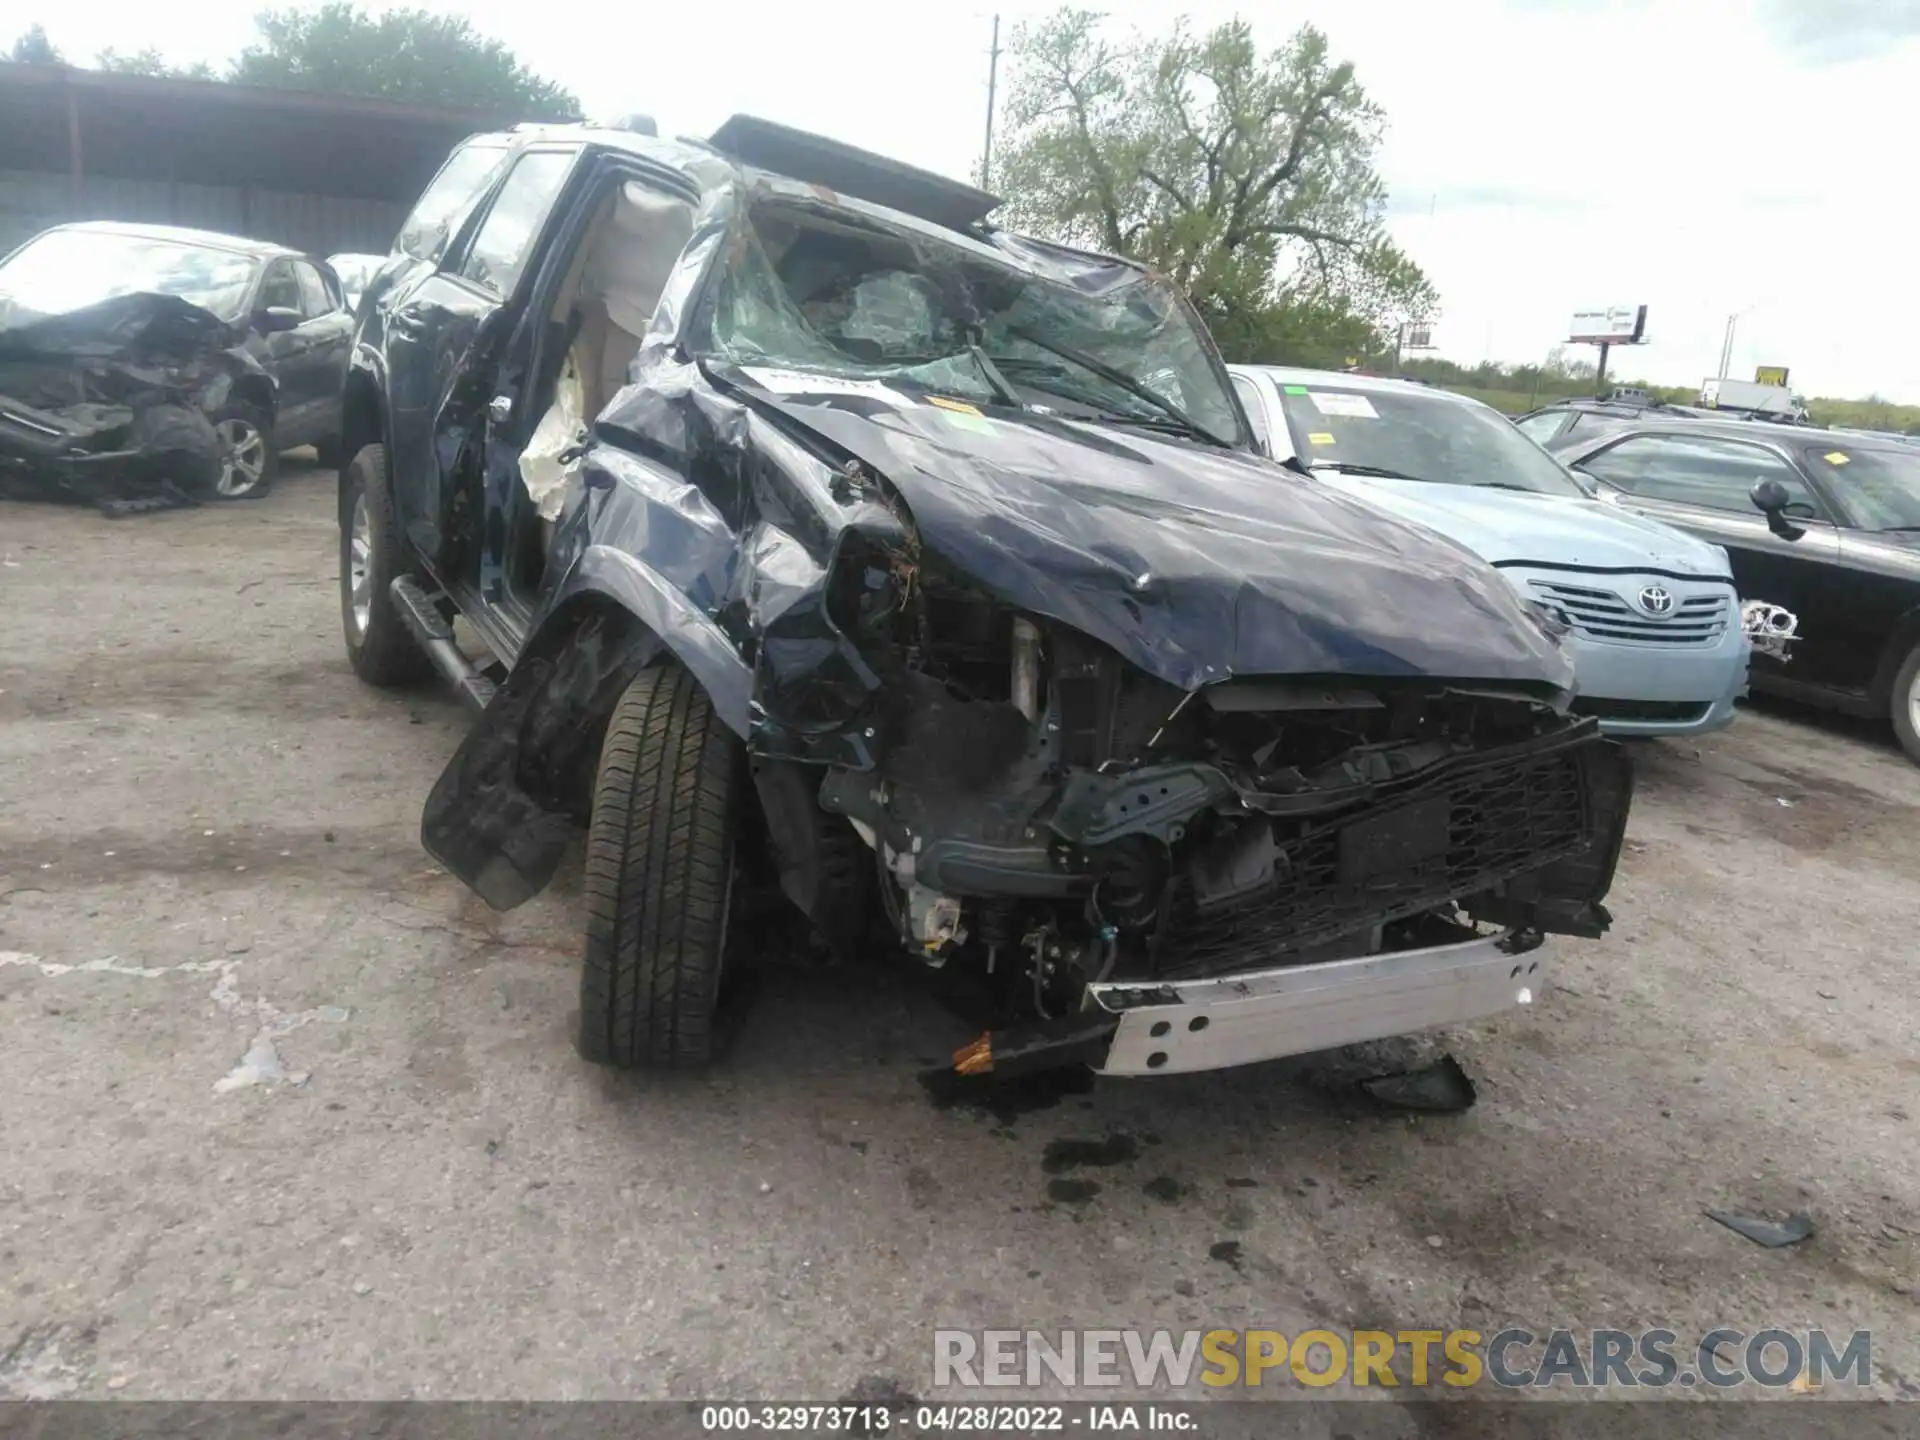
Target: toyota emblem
point(1656, 600)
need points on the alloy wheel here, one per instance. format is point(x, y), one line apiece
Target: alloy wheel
point(243, 457)
point(360, 566)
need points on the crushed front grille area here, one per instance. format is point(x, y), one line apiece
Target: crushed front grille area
point(1509, 814)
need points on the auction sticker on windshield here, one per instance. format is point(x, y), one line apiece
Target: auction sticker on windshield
point(1353, 407)
point(803, 382)
point(961, 415)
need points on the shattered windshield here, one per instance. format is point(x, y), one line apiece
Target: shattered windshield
point(65, 270)
point(840, 294)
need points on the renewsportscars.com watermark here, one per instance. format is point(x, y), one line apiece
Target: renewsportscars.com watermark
point(1513, 1358)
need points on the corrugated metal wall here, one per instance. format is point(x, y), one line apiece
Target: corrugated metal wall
point(320, 224)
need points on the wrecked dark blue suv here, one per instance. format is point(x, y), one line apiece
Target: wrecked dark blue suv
point(819, 539)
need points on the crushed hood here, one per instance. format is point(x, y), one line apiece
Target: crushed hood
point(1506, 527)
point(141, 323)
point(1194, 563)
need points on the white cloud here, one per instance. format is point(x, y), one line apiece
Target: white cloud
point(1698, 156)
point(1831, 32)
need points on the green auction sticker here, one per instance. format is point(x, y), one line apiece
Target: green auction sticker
point(1294, 389)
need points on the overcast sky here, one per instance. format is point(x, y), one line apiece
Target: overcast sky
point(1700, 157)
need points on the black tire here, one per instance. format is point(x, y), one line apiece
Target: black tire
point(381, 648)
point(1904, 704)
point(660, 877)
point(245, 430)
point(327, 452)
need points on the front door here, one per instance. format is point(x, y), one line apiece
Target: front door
point(327, 332)
point(442, 331)
point(287, 357)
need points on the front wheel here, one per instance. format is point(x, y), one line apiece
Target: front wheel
point(380, 647)
point(660, 877)
point(248, 461)
point(1904, 704)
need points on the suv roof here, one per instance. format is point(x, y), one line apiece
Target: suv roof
point(750, 146)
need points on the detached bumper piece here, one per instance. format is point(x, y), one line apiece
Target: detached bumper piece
point(1211, 1024)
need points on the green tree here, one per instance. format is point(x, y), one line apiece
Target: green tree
point(411, 55)
point(150, 62)
point(1247, 177)
point(1320, 331)
point(33, 48)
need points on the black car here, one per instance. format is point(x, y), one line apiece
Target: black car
point(1826, 525)
point(825, 542)
point(1552, 424)
point(140, 358)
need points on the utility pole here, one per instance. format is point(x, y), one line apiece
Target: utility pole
point(1726, 345)
point(993, 81)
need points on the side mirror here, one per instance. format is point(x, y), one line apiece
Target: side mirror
point(1771, 499)
point(273, 319)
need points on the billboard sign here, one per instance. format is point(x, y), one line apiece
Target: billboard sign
point(1770, 375)
point(1615, 325)
point(1419, 337)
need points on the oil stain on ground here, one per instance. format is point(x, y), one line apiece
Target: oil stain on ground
point(1063, 1155)
point(1005, 1100)
point(1072, 1192)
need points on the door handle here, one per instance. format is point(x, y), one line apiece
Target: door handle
point(500, 409)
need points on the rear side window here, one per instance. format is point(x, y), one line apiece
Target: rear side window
point(280, 291)
point(448, 198)
point(505, 239)
point(1541, 427)
point(314, 299)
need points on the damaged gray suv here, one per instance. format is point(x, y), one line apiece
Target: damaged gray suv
point(816, 542)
